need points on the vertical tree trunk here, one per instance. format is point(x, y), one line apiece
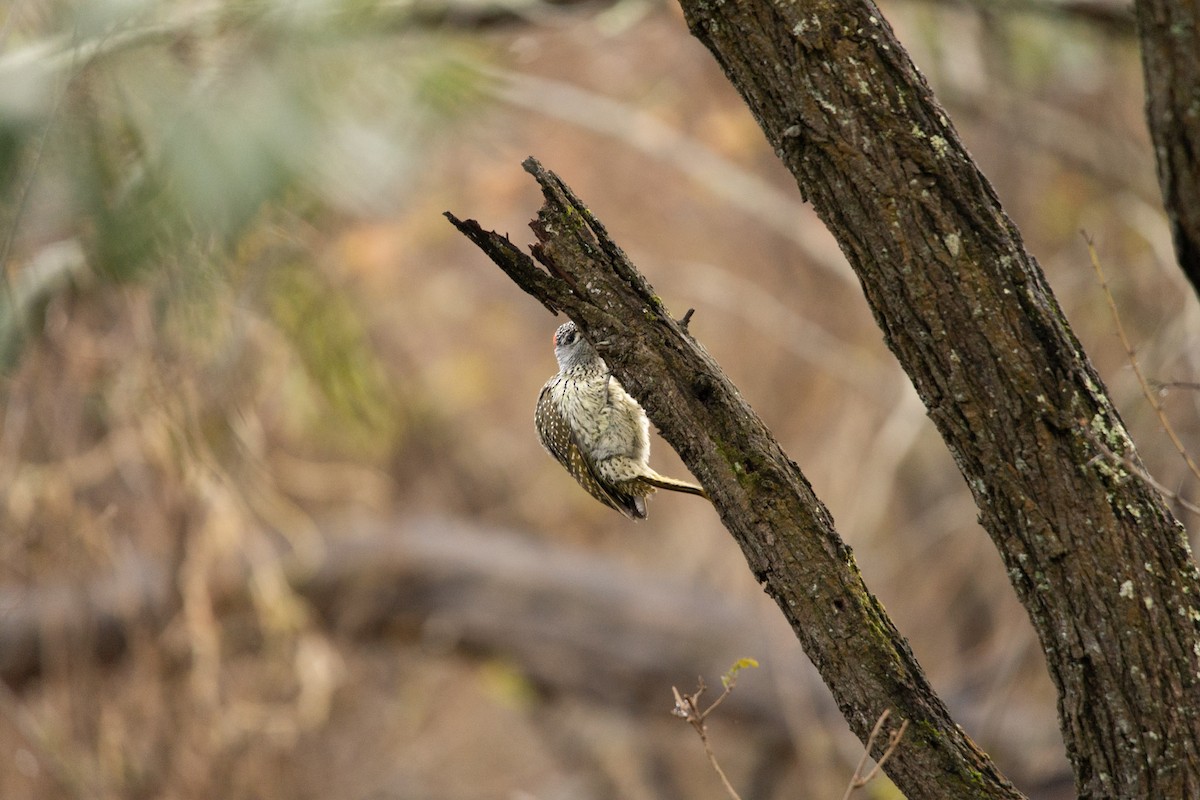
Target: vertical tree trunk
point(1098, 561)
point(1170, 34)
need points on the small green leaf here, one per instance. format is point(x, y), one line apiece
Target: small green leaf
point(739, 665)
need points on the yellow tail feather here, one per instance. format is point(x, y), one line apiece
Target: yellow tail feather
point(672, 485)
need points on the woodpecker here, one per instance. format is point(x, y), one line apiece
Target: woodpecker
point(595, 429)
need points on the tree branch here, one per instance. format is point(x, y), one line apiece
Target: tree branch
point(1170, 36)
point(784, 531)
point(970, 317)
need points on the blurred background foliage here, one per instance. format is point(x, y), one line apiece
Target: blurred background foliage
point(235, 332)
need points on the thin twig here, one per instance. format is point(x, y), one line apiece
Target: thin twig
point(1164, 385)
point(862, 762)
point(1135, 468)
point(858, 780)
point(1149, 394)
point(893, 743)
point(687, 707)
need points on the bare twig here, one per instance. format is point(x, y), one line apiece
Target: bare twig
point(1137, 469)
point(687, 707)
point(1163, 386)
point(1150, 394)
point(858, 780)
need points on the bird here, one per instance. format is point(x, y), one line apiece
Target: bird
point(594, 428)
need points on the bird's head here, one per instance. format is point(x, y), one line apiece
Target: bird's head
point(571, 349)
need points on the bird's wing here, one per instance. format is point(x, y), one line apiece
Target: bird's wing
point(560, 441)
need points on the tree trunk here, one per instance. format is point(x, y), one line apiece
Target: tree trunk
point(784, 531)
point(1100, 564)
point(1170, 33)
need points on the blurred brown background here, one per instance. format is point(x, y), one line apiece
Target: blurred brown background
point(275, 521)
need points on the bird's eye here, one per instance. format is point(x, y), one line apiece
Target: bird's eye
point(569, 338)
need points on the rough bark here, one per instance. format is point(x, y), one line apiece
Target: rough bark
point(784, 531)
point(1170, 34)
point(1100, 564)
